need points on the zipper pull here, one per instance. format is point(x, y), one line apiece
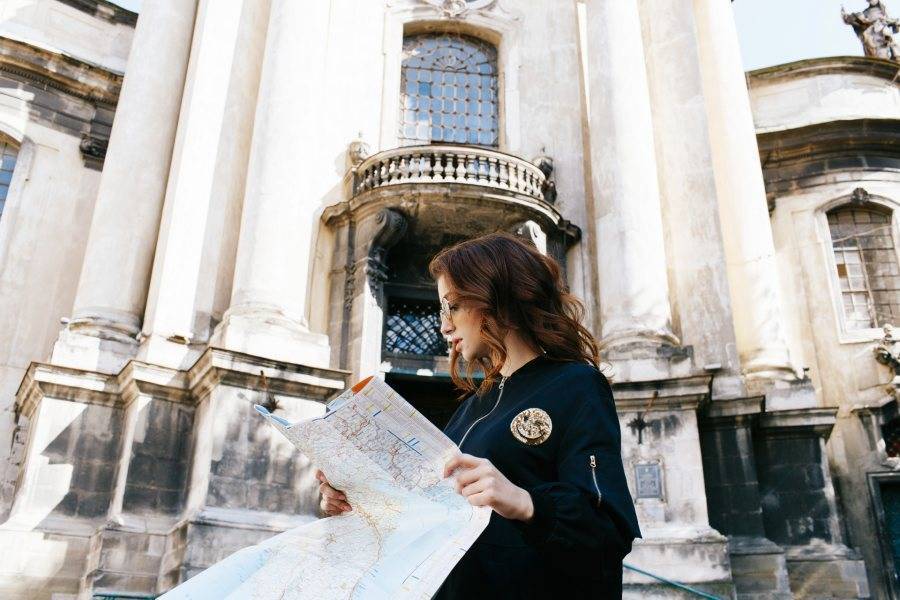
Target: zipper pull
point(502, 381)
point(594, 477)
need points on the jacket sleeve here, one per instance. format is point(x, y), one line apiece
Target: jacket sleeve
point(589, 509)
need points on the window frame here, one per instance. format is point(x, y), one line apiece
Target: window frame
point(498, 28)
point(877, 203)
point(467, 38)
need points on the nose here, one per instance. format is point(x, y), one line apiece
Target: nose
point(446, 326)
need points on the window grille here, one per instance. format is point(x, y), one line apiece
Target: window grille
point(867, 269)
point(8, 155)
point(448, 91)
point(414, 327)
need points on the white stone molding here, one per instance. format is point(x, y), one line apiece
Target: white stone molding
point(489, 20)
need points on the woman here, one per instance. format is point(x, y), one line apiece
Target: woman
point(539, 437)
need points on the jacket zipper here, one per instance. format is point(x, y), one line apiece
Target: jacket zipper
point(483, 417)
point(594, 476)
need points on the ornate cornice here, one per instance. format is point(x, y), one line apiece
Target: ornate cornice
point(56, 71)
point(850, 65)
point(834, 138)
point(104, 10)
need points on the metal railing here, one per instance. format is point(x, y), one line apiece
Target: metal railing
point(674, 584)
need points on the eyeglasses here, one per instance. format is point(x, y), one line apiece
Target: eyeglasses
point(445, 310)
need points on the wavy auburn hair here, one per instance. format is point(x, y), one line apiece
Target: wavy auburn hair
point(511, 285)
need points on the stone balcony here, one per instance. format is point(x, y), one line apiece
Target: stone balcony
point(454, 188)
point(462, 165)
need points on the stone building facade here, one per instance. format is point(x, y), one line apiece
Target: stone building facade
point(254, 225)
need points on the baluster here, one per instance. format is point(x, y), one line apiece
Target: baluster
point(450, 166)
point(425, 169)
point(493, 175)
point(382, 176)
point(392, 169)
point(438, 167)
point(367, 178)
point(504, 174)
point(403, 169)
point(471, 170)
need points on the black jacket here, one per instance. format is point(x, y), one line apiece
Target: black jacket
point(584, 520)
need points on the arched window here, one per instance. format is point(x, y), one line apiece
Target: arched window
point(448, 91)
point(862, 238)
point(8, 154)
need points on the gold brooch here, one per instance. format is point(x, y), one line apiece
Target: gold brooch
point(532, 426)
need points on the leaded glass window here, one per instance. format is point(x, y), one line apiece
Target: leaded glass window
point(448, 91)
point(413, 326)
point(8, 155)
point(863, 242)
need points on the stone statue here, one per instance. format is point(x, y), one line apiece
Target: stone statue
point(875, 30)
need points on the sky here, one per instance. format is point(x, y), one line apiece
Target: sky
point(773, 32)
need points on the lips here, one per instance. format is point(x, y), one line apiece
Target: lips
point(455, 342)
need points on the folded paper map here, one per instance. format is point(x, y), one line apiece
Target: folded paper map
point(408, 526)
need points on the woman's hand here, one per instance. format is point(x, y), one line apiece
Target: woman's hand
point(333, 501)
point(483, 485)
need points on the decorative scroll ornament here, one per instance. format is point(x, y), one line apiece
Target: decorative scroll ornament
point(457, 8)
point(532, 426)
point(391, 227)
point(358, 151)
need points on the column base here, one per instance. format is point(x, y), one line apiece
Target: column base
point(758, 569)
point(827, 571)
point(267, 333)
point(174, 352)
point(784, 394)
point(93, 350)
point(646, 357)
point(665, 552)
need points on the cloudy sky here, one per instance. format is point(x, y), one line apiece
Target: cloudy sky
point(776, 31)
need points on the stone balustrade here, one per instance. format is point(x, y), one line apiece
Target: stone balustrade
point(467, 165)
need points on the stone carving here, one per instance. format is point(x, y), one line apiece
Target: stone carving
point(93, 150)
point(887, 352)
point(457, 8)
point(859, 197)
point(391, 229)
point(532, 233)
point(545, 164)
point(357, 151)
point(875, 30)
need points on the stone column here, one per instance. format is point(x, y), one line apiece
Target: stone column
point(267, 316)
point(687, 185)
point(113, 284)
point(634, 291)
point(201, 215)
point(743, 211)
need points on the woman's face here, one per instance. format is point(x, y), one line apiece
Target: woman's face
point(460, 325)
